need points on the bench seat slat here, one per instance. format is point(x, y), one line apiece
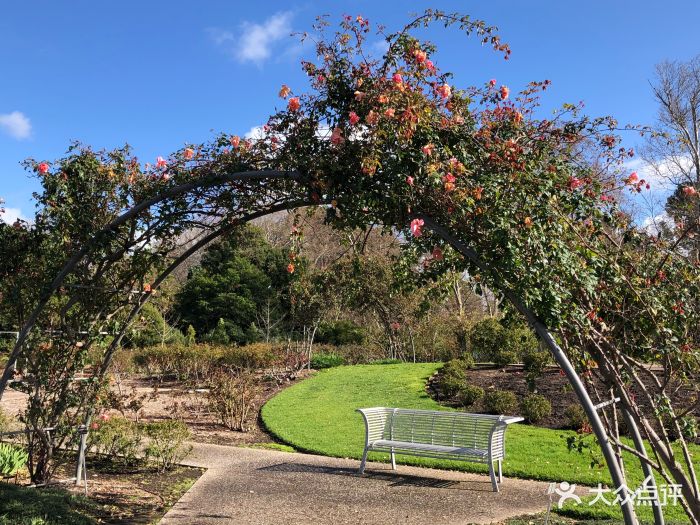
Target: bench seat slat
point(404, 445)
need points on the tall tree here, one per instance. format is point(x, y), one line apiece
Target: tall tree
point(238, 279)
point(673, 149)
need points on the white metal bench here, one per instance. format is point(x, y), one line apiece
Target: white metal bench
point(478, 438)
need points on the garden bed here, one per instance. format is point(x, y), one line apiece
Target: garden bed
point(551, 384)
point(167, 399)
point(116, 495)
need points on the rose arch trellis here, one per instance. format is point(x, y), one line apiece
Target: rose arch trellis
point(525, 205)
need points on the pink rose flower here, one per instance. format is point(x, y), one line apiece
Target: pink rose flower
point(43, 168)
point(417, 227)
point(337, 136)
point(189, 153)
point(574, 183)
point(372, 118)
point(284, 91)
point(354, 118)
point(445, 91)
point(504, 92)
point(419, 56)
point(161, 163)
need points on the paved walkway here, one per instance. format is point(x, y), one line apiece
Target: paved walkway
point(252, 486)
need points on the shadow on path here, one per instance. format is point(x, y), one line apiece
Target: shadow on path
point(394, 479)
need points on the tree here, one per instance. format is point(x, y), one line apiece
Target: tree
point(673, 149)
point(239, 281)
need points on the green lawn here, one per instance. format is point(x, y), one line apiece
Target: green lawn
point(318, 415)
point(25, 506)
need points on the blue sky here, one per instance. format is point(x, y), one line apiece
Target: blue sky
point(157, 74)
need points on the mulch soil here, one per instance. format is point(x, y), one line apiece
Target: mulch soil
point(552, 384)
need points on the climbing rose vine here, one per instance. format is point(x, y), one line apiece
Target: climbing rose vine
point(388, 141)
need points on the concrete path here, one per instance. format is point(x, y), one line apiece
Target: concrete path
point(252, 486)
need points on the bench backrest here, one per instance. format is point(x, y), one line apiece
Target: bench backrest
point(459, 429)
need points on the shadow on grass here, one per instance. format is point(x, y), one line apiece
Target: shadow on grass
point(51, 506)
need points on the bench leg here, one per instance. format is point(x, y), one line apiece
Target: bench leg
point(364, 460)
point(492, 474)
point(393, 460)
point(500, 471)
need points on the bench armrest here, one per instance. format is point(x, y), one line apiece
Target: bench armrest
point(375, 422)
point(512, 419)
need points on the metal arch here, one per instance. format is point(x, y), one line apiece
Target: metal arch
point(132, 212)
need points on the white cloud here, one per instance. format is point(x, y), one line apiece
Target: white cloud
point(256, 41)
point(16, 125)
point(659, 176)
point(255, 133)
point(652, 225)
point(220, 37)
point(10, 215)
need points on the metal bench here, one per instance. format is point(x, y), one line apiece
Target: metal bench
point(478, 438)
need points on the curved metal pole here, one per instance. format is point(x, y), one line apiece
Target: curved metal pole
point(646, 468)
point(559, 356)
point(156, 283)
point(123, 218)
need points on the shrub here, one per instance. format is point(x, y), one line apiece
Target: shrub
point(166, 443)
point(454, 376)
point(470, 394)
point(232, 397)
point(687, 425)
point(534, 364)
point(386, 361)
point(489, 340)
point(6, 421)
point(326, 360)
point(521, 340)
point(354, 354)
point(535, 408)
point(341, 332)
point(486, 339)
point(504, 357)
point(152, 329)
point(254, 356)
point(117, 438)
point(500, 402)
point(12, 459)
point(575, 417)
point(183, 362)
